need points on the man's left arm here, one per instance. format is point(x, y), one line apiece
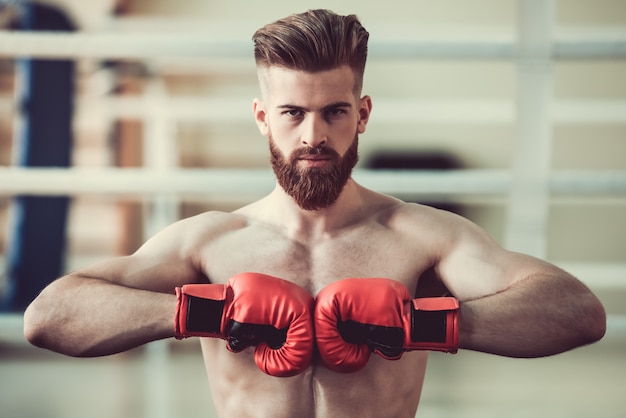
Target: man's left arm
point(513, 304)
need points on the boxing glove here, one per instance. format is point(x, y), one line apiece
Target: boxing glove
point(354, 317)
point(252, 309)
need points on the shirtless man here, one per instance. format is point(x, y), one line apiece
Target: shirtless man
point(316, 228)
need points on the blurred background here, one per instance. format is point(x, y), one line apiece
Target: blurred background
point(118, 117)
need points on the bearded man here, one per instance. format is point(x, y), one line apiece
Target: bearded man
point(313, 286)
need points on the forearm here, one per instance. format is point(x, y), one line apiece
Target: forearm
point(539, 316)
point(81, 316)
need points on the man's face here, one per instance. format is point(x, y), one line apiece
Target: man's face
point(312, 121)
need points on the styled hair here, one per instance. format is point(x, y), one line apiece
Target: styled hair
point(313, 41)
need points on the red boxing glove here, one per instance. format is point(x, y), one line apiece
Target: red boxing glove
point(354, 317)
point(252, 309)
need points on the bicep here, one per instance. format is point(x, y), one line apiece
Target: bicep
point(473, 265)
point(143, 271)
point(162, 263)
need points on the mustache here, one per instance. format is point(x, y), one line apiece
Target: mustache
point(314, 151)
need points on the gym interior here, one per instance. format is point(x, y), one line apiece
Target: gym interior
point(119, 117)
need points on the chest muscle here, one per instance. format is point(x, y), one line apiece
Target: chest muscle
point(314, 266)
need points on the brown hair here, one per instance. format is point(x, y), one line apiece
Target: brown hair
point(316, 40)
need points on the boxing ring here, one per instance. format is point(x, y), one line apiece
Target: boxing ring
point(527, 187)
point(530, 179)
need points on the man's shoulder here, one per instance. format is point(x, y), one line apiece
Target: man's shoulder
point(213, 220)
point(391, 206)
point(425, 221)
point(416, 212)
point(203, 227)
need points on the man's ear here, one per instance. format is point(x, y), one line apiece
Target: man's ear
point(260, 117)
point(365, 109)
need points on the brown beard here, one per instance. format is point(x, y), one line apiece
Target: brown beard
point(314, 188)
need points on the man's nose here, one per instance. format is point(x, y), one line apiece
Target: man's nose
point(314, 132)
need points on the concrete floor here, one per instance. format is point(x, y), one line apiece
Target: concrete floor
point(589, 382)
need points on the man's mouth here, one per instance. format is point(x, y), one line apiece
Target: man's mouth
point(312, 161)
point(314, 157)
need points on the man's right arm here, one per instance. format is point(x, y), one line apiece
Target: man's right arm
point(79, 315)
point(114, 305)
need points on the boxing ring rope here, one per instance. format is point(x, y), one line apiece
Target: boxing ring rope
point(388, 110)
point(157, 45)
point(215, 182)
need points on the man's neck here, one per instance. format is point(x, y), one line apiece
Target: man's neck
point(317, 224)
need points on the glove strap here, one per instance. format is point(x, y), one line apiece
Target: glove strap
point(197, 316)
point(434, 324)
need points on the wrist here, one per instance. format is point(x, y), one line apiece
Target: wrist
point(199, 310)
point(434, 324)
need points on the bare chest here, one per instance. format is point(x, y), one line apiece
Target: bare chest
point(366, 252)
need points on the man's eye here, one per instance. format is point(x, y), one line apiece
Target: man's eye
point(336, 112)
point(292, 113)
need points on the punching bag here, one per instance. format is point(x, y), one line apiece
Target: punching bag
point(37, 232)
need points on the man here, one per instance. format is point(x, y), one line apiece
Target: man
point(313, 278)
